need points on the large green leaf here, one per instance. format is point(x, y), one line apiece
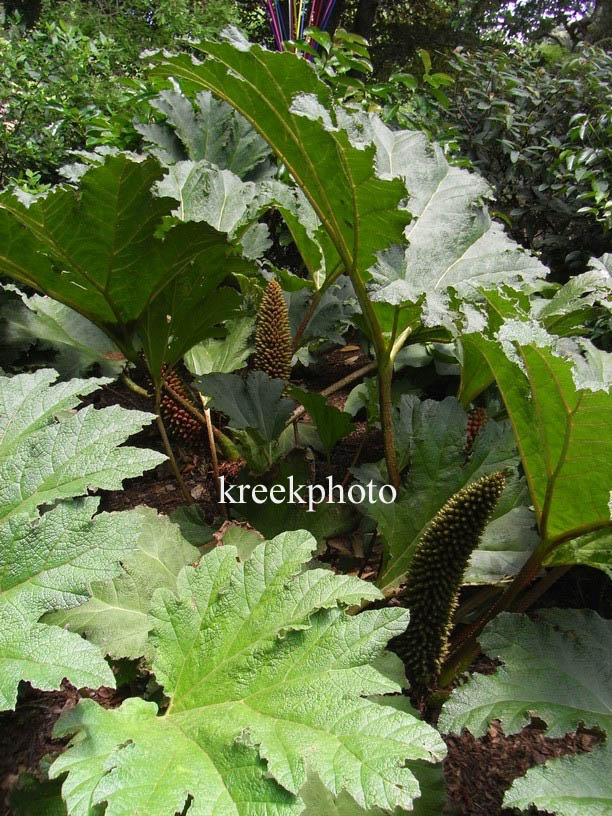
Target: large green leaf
point(282, 97)
point(432, 436)
point(556, 669)
point(49, 452)
point(97, 250)
point(116, 617)
point(570, 786)
point(563, 428)
point(188, 308)
point(268, 679)
point(42, 461)
point(48, 565)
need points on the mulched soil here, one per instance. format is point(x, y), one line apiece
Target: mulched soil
point(477, 771)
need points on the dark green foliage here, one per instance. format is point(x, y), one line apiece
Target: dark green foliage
point(52, 79)
point(536, 123)
point(396, 29)
point(75, 78)
point(434, 577)
point(273, 346)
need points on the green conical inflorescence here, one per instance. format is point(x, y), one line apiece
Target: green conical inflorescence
point(436, 572)
point(273, 346)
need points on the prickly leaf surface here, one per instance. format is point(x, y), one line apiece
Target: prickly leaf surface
point(268, 678)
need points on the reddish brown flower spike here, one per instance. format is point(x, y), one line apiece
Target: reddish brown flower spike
point(178, 422)
point(477, 419)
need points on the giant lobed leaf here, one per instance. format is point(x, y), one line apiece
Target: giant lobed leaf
point(205, 129)
point(268, 679)
point(556, 669)
point(452, 240)
point(49, 452)
point(116, 617)
point(282, 97)
point(431, 435)
point(561, 425)
point(569, 786)
point(42, 461)
point(98, 250)
point(45, 565)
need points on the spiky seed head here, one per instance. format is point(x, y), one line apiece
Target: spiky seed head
point(178, 421)
point(436, 573)
point(273, 345)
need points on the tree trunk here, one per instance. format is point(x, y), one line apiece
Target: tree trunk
point(28, 9)
point(600, 26)
point(363, 23)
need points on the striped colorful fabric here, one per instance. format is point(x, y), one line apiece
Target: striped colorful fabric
point(289, 19)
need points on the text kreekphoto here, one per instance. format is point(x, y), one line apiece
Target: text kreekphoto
point(309, 495)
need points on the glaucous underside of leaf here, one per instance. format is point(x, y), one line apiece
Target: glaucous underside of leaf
point(569, 786)
point(205, 129)
point(556, 669)
point(78, 344)
point(267, 679)
point(452, 241)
